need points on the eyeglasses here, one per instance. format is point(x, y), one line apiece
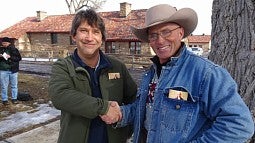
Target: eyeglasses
point(164, 34)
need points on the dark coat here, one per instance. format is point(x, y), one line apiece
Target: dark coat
point(70, 91)
point(12, 63)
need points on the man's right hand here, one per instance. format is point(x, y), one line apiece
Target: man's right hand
point(113, 115)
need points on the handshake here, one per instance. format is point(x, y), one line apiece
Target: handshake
point(113, 114)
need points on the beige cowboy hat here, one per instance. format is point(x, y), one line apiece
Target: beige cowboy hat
point(163, 13)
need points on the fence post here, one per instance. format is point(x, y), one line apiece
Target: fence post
point(133, 60)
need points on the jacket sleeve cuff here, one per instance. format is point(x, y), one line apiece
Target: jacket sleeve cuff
point(105, 108)
point(123, 121)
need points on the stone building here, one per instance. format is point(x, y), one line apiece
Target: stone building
point(47, 36)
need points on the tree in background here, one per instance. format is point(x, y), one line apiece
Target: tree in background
point(76, 5)
point(233, 44)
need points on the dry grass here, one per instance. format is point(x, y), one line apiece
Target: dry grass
point(36, 86)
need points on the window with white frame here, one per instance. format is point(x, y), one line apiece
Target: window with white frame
point(135, 47)
point(110, 47)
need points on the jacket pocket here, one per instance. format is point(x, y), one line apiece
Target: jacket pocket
point(176, 116)
point(115, 89)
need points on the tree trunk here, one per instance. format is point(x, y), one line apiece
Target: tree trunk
point(233, 44)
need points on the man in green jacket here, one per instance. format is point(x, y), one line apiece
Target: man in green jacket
point(83, 85)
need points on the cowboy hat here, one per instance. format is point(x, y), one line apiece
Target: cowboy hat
point(163, 13)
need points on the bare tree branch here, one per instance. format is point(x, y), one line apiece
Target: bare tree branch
point(76, 5)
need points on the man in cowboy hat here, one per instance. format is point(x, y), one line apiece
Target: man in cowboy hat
point(183, 97)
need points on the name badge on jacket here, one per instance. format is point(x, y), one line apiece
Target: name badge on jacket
point(180, 95)
point(114, 75)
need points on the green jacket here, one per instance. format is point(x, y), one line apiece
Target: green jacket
point(69, 88)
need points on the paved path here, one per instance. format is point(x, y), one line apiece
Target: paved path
point(44, 134)
point(32, 67)
point(45, 69)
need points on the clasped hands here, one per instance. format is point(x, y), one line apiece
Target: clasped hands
point(114, 113)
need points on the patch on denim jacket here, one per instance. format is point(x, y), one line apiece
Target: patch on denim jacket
point(179, 95)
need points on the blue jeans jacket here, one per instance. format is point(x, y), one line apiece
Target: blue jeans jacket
point(213, 113)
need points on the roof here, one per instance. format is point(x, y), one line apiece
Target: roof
point(199, 38)
point(116, 27)
point(119, 27)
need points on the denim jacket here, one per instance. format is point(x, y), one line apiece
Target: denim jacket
point(214, 112)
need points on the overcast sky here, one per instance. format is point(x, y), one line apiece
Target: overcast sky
point(13, 11)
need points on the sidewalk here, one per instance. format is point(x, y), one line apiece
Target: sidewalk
point(44, 134)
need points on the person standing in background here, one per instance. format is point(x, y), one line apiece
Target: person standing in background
point(82, 84)
point(9, 67)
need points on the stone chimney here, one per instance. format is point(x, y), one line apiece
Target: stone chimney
point(41, 15)
point(125, 9)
